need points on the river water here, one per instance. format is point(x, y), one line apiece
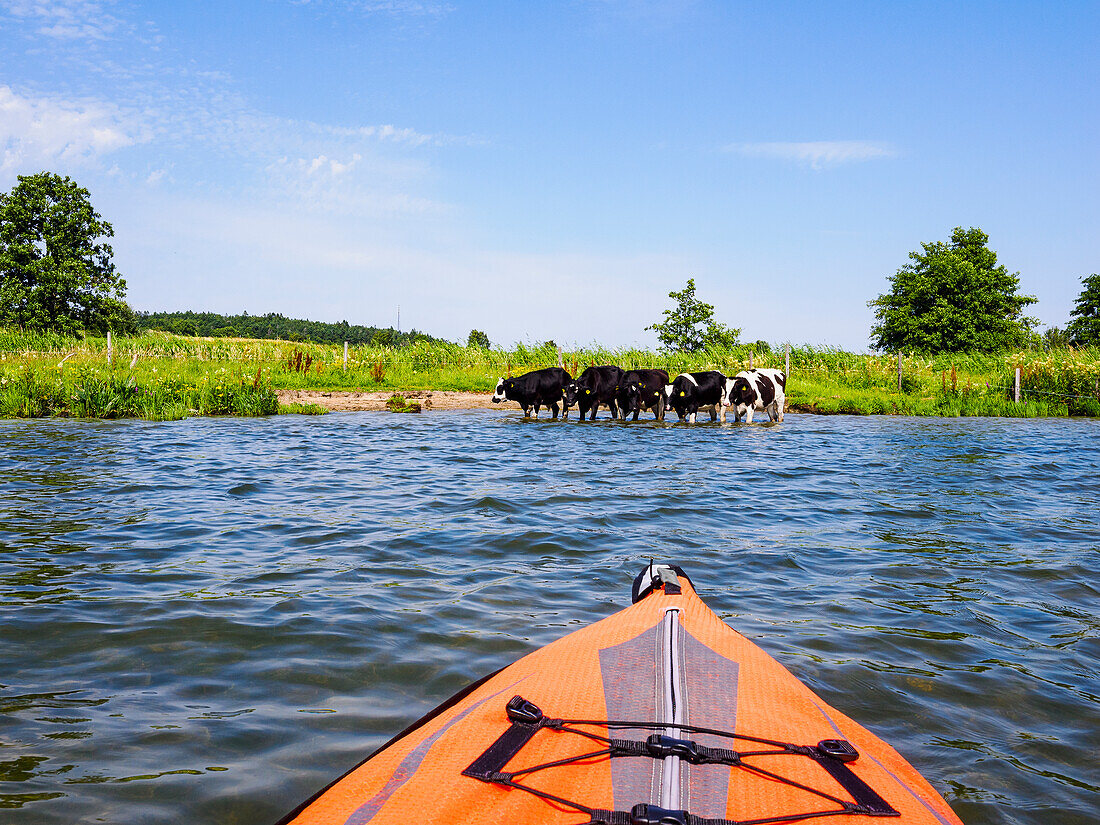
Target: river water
point(207, 620)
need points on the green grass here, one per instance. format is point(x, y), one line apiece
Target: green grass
point(158, 375)
point(301, 409)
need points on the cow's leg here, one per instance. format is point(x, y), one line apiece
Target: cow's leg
point(714, 413)
point(615, 410)
point(722, 413)
point(637, 410)
point(526, 411)
point(554, 409)
point(661, 408)
point(537, 405)
point(748, 415)
point(779, 410)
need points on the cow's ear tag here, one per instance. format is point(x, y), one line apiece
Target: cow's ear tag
point(681, 392)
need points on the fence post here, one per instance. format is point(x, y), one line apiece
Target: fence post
point(560, 364)
point(345, 356)
point(108, 348)
point(750, 359)
point(899, 370)
point(787, 362)
point(1016, 393)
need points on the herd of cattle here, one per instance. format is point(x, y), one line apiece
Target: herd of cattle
point(631, 391)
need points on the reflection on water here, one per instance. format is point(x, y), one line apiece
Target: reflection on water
point(207, 620)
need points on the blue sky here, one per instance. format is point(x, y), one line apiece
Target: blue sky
point(553, 170)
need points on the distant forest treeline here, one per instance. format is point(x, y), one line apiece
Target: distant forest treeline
point(274, 325)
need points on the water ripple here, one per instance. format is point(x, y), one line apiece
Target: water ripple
point(206, 620)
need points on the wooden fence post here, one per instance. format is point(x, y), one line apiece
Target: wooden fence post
point(345, 356)
point(560, 364)
point(1016, 393)
point(109, 348)
point(899, 370)
point(787, 362)
point(750, 359)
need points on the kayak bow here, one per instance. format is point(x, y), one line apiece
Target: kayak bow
point(660, 714)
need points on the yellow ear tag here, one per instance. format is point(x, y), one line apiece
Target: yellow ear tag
point(681, 392)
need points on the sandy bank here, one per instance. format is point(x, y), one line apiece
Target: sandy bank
point(428, 399)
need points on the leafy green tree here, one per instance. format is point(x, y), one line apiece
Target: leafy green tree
point(1054, 338)
point(953, 297)
point(1084, 328)
point(690, 326)
point(384, 338)
point(477, 338)
point(56, 268)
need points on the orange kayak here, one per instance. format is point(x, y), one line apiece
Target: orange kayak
point(658, 715)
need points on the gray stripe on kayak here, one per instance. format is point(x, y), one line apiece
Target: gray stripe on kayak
point(633, 691)
point(711, 703)
point(410, 764)
point(630, 686)
point(895, 777)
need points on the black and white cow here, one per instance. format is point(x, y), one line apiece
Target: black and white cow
point(690, 392)
point(755, 390)
point(643, 390)
point(534, 389)
point(594, 386)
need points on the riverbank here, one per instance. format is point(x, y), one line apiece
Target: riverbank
point(158, 375)
point(361, 401)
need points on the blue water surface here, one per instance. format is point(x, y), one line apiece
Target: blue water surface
point(207, 620)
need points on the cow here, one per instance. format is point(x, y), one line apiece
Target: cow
point(755, 390)
point(594, 386)
point(534, 389)
point(643, 390)
point(691, 391)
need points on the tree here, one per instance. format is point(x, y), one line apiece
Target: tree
point(953, 297)
point(384, 338)
point(1084, 328)
point(477, 338)
point(690, 326)
point(1054, 338)
point(56, 270)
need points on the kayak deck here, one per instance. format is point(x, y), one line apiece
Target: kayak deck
point(660, 713)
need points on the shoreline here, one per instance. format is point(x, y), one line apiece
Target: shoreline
point(374, 401)
point(345, 401)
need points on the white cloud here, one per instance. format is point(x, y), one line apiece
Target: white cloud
point(817, 154)
point(37, 132)
point(67, 19)
point(350, 184)
point(396, 8)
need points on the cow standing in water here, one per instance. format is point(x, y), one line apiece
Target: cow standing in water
point(690, 392)
point(643, 390)
point(761, 390)
point(595, 386)
point(534, 389)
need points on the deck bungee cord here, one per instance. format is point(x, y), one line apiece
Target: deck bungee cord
point(528, 719)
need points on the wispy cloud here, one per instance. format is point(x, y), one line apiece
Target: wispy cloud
point(42, 132)
point(817, 154)
point(67, 19)
point(396, 8)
